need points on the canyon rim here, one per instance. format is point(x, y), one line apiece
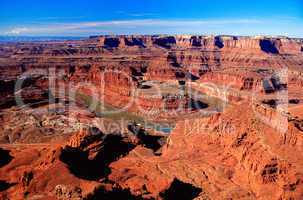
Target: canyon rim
point(163, 104)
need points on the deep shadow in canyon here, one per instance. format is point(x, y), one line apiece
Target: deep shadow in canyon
point(180, 190)
point(5, 157)
point(115, 193)
point(112, 148)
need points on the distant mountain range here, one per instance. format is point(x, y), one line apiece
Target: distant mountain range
point(36, 38)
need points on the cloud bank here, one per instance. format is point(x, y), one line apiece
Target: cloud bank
point(149, 26)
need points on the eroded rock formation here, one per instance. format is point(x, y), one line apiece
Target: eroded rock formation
point(57, 147)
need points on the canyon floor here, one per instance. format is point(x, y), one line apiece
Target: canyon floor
point(152, 117)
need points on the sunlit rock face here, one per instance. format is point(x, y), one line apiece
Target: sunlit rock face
point(233, 108)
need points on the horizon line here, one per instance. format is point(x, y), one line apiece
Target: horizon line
point(156, 34)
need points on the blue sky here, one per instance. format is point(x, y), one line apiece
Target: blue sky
point(84, 18)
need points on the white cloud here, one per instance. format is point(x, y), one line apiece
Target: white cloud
point(17, 31)
point(148, 26)
point(108, 25)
